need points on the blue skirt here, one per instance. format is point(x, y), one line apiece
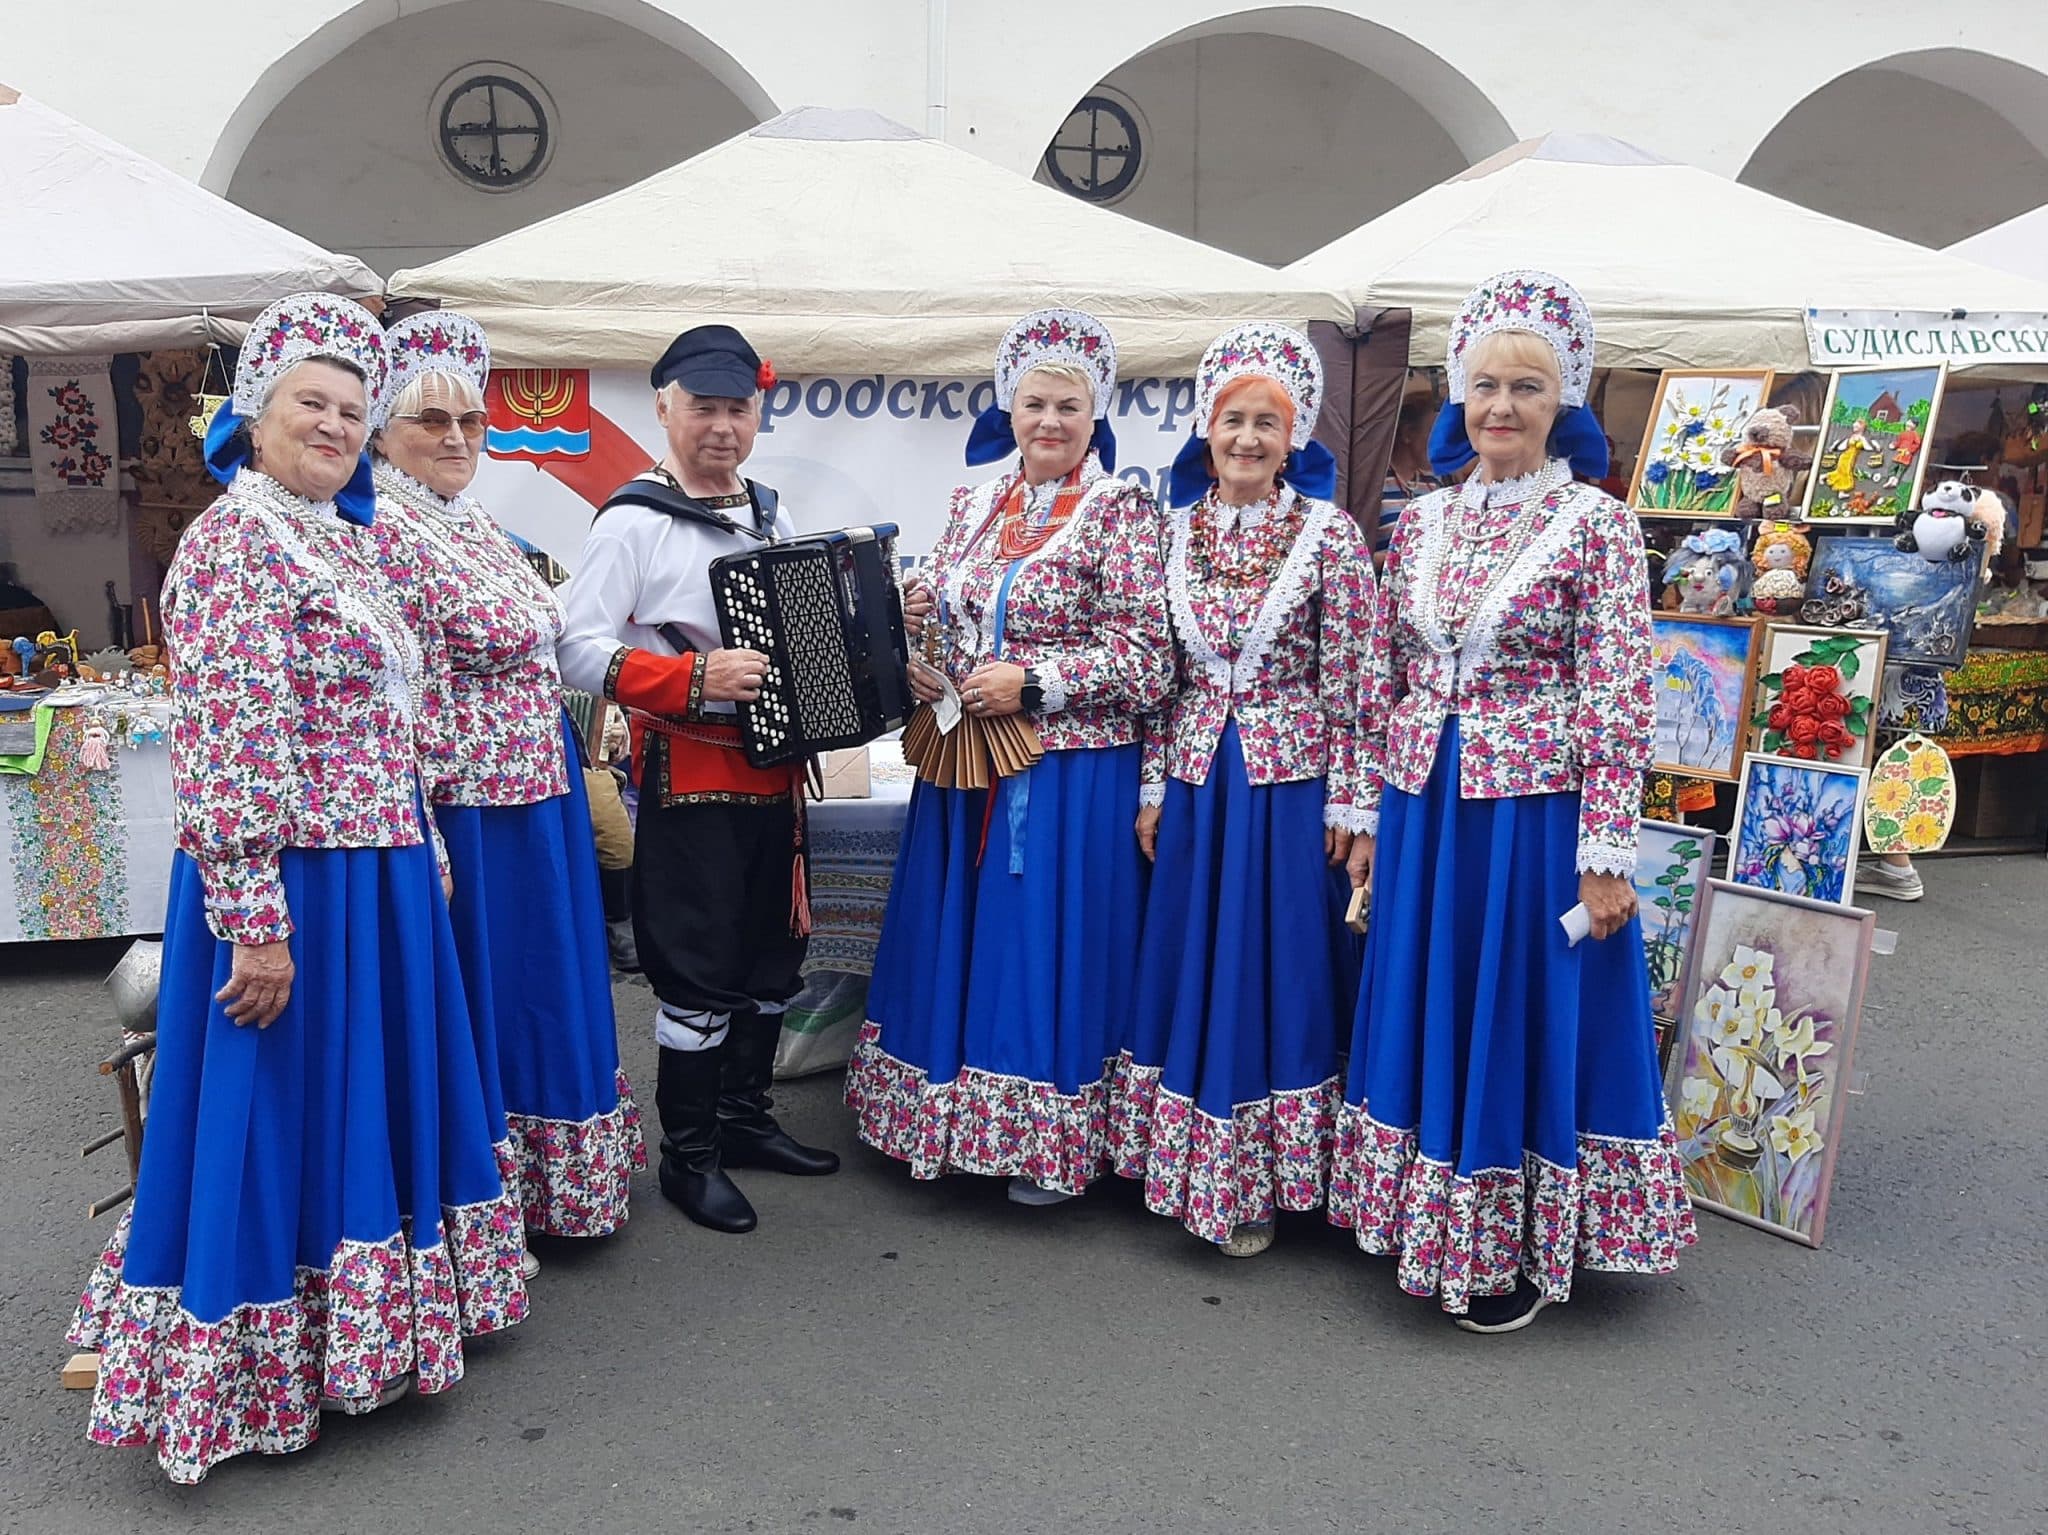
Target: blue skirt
point(1503, 1111)
point(321, 1206)
point(1226, 1096)
point(1004, 976)
point(529, 927)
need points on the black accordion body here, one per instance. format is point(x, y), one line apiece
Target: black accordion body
point(827, 612)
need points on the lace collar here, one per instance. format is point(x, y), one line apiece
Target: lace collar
point(1250, 517)
point(395, 482)
point(1494, 495)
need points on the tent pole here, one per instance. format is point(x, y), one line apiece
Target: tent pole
point(935, 29)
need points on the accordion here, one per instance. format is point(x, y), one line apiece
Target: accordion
point(827, 612)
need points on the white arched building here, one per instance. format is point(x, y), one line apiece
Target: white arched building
point(401, 130)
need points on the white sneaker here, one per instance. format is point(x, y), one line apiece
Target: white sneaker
point(529, 1265)
point(1024, 1192)
point(1889, 881)
point(1247, 1241)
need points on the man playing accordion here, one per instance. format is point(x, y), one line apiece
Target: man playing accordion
point(720, 914)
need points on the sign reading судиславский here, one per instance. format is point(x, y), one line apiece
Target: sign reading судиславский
point(1855, 338)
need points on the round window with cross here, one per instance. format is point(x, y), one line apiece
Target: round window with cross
point(1098, 151)
point(494, 127)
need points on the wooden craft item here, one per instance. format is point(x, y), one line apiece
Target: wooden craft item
point(1911, 806)
point(1356, 913)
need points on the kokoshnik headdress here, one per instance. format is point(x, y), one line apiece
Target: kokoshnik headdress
point(1063, 336)
point(1550, 309)
point(1287, 358)
point(433, 341)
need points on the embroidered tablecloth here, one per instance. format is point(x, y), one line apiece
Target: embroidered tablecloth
point(85, 854)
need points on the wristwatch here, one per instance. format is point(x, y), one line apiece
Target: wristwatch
point(1031, 697)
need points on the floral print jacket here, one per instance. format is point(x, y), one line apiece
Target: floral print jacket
point(1273, 613)
point(1527, 617)
point(1087, 612)
point(299, 697)
point(494, 622)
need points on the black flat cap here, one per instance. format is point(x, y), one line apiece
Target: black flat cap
point(713, 360)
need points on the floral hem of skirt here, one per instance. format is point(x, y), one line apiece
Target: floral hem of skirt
point(1214, 1174)
point(572, 1177)
point(203, 1392)
point(979, 1122)
point(1621, 1209)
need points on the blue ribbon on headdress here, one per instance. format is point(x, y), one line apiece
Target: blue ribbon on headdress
point(227, 450)
point(1311, 470)
point(1577, 437)
point(994, 437)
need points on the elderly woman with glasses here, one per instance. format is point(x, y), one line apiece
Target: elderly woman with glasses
point(504, 783)
point(321, 1216)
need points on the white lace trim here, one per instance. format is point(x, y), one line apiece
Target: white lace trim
point(1368, 824)
point(1476, 494)
point(980, 638)
point(475, 546)
point(1350, 818)
point(1151, 795)
point(1480, 647)
point(1289, 589)
point(1052, 685)
point(1180, 598)
point(1602, 858)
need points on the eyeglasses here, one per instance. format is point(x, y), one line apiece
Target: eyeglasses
point(437, 421)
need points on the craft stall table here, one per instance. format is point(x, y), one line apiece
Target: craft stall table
point(85, 853)
point(853, 854)
point(1997, 734)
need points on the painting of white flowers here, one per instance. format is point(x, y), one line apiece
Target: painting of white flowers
point(1757, 1082)
point(1672, 866)
point(1688, 463)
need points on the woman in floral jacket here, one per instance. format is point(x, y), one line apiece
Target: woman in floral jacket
point(1004, 975)
point(321, 1216)
point(1228, 1092)
point(1504, 1122)
point(508, 796)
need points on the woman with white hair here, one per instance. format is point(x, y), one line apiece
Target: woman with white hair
point(1004, 973)
point(1504, 1123)
point(506, 791)
point(321, 1217)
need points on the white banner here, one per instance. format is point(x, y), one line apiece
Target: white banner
point(843, 452)
point(1855, 338)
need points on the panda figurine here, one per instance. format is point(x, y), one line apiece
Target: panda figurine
point(1949, 524)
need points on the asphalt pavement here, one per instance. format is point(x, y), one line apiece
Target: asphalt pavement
point(885, 1355)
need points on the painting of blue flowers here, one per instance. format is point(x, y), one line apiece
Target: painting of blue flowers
point(1797, 825)
point(1696, 416)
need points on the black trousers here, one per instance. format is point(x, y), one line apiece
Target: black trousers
point(711, 903)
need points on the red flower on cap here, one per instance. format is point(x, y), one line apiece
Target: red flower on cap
point(765, 374)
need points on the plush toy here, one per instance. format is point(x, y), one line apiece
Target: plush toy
point(1780, 558)
point(1955, 520)
point(1765, 466)
point(1710, 573)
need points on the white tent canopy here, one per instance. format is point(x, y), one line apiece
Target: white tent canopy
point(842, 243)
point(2018, 245)
point(1682, 268)
point(106, 251)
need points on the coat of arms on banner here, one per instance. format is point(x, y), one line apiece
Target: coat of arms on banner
point(72, 444)
point(538, 414)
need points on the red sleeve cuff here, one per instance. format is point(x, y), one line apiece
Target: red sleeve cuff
point(640, 679)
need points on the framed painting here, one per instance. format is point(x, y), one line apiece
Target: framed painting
point(1702, 669)
point(1673, 864)
point(1816, 694)
point(1925, 607)
point(1758, 1081)
point(1695, 417)
point(1797, 827)
point(1874, 441)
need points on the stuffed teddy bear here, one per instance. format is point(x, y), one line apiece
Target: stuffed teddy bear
point(1780, 558)
point(1710, 573)
point(1765, 466)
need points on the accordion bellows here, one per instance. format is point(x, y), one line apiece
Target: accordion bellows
point(827, 613)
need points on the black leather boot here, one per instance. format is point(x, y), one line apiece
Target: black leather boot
point(686, 1097)
point(748, 1135)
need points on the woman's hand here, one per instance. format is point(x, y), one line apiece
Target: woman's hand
point(996, 688)
point(259, 985)
point(1610, 901)
point(448, 887)
point(1359, 864)
point(1148, 831)
point(918, 605)
point(926, 685)
point(1337, 846)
